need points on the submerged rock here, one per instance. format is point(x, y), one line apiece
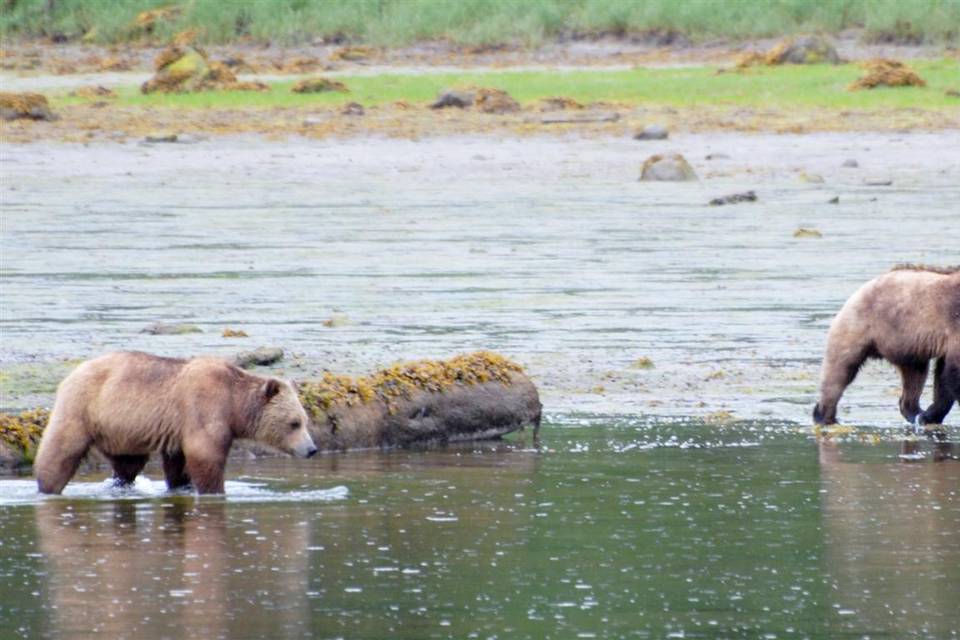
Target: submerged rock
point(259, 357)
point(470, 397)
point(165, 329)
point(669, 167)
point(26, 106)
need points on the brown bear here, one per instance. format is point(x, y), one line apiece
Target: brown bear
point(129, 404)
point(908, 316)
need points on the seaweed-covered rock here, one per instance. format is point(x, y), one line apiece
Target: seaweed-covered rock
point(27, 106)
point(809, 49)
point(668, 167)
point(182, 68)
point(19, 437)
point(887, 73)
point(470, 397)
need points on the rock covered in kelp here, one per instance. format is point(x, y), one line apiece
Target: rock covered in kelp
point(668, 167)
point(887, 73)
point(182, 68)
point(470, 397)
point(319, 85)
point(19, 436)
point(808, 49)
point(484, 99)
point(26, 106)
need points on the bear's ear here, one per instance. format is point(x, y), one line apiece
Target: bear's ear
point(271, 388)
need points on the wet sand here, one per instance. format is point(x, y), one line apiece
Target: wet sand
point(546, 248)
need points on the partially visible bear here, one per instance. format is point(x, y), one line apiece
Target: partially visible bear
point(908, 316)
point(129, 404)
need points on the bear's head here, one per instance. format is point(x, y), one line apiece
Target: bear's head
point(282, 422)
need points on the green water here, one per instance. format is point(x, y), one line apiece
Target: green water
point(612, 527)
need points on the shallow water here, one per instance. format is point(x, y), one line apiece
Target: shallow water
point(615, 527)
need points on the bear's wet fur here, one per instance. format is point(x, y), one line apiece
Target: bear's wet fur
point(130, 404)
point(907, 316)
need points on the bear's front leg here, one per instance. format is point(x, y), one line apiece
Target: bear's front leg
point(206, 452)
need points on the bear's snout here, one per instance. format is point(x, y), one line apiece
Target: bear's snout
point(312, 452)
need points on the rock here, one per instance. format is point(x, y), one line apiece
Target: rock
point(810, 49)
point(259, 357)
point(850, 163)
point(234, 333)
point(734, 198)
point(470, 397)
point(878, 181)
point(157, 138)
point(312, 121)
point(652, 132)
point(164, 329)
point(353, 109)
point(716, 156)
point(319, 85)
point(670, 167)
point(26, 106)
point(459, 98)
point(834, 200)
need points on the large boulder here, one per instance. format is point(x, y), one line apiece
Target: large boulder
point(470, 397)
point(668, 167)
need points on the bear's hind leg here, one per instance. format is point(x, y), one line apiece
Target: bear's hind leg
point(174, 469)
point(127, 468)
point(914, 377)
point(62, 447)
point(946, 389)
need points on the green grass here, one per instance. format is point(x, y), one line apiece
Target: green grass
point(806, 86)
point(396, 22)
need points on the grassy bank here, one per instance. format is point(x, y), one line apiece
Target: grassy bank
point(782, 87)
point(475, 22)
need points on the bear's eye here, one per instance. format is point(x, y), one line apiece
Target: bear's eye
point(294, 425)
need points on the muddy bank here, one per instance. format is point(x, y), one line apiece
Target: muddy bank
point(618, 296)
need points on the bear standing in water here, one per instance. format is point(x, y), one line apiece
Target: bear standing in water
point(129, 404)
point(908, 316)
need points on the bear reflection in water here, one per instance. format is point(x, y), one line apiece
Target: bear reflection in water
point(172, 569)
point(890, 538)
